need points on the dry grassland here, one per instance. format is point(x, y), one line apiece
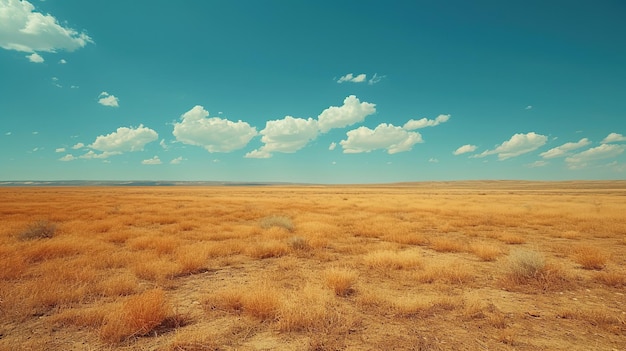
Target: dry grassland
point(427, 266)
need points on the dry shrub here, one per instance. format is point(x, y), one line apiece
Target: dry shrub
point(138, 316)
point(524, 265)
point(277, 221)
point(446, 245)
point(512, 239)
point(38, 230)
point(528, 271)
point(486, 252)
point(310, 309)
point(267, 249)
point(388, 259)
point(612, 279)
point(590, 257)
point(191, 259)
point(340, 280)
point(298, 243)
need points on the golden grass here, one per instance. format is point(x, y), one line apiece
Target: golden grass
point(438, 266)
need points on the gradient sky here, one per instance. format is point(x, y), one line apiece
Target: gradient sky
point(312, 91)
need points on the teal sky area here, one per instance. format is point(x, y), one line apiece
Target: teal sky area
point(312, 91)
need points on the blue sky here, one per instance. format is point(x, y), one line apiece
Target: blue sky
point(312, 91)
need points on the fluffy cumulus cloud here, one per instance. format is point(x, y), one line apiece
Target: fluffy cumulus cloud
point(465, 149)
point(286, 135)
point(584, 158)
point(565, 149)
point(152, 161)
point(352, 111)
point(67, 158)
point(385, 136)
point(35, 57)
point(519, 144)
point(425, 122)
point(24, 29)
point(124, 139)
point(613, 138)
point(106, 99)
point(214, 134)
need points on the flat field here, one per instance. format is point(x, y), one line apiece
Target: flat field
point(415, 266)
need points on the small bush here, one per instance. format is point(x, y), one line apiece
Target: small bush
point(446, 245)
point(277, 221)
point(38, 230)
point(527, 271)
point(341, 281)
point(486, 252)
point(524, 264)
point(612, 279)
point(298, 243)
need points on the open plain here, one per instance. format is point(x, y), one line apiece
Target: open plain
point(496, 265)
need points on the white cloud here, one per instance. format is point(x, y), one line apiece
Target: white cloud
point(613, 138)
point(8, 133)
point(67, 158)
point(106, 154)
point(106, 99)
point(62, 61)
point(177, 160)
point(23, 29)
point(78, 146)
point(465, 149)
point(152, 161)
point(352, 111)
point(375, 79)
point(604, 151)
point(35, 133)
point(537, 164)
point(518, 144)
point(332, 146)
point(529, 107)
point(35, 57)
point(163, 144)
point(61, 149)
point(433, 160)
point(425, 122)
point(385, 136)
point(214, 134)
point(125, 139)
point(564, 149)
point(285, 135)
point(352, 78)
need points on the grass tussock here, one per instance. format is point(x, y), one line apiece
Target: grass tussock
point(268, 249)
point(511, 239)
point(590, 257)
point(277, 221)
point(528, 271)
point(38, 230)
point(261, 301)
point(611, 279)
point(138, 316)
point(447, 245)
point(340, 280)
point(389, 259)
point(485, 251)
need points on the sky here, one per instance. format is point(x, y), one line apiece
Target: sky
point(312, 91)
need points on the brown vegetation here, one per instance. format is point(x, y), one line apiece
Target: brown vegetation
point(432, 266)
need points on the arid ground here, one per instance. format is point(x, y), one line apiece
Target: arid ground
point(415, 266)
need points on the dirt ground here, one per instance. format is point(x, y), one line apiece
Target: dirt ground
point(484, 265)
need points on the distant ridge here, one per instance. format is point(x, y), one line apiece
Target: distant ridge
point(135, 183)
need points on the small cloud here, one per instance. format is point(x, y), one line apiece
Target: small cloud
point(352, 78)
point(433, 160)
point(78, 146)
point(74, 87)
point(604, 151)
point(375, 79)
point(62, 61)
point(465, 149)
point(519, 144)
point(163, 144)
point(258, 153)
point(177, 160)
point(106, 99)
point(529, 107)
point(385, 136)
point(152, 161)
point(35, 57)
point(332, 146)
point(8, 133)
point(334, 163)
point(125, 139)
point(537, 164)
point(352, 111)
point(55, 79)
point(425, 122)
point(35, 133)
point(67, 158)
point(103, 155)
point(61, 149)
point(36, 149)
point(564, 149)
point(613, 138)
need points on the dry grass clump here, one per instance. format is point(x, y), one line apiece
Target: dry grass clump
point(525, 264)
point(612, 279)
point(38, 230)
point(311, 309)
point(446, 245)
point(277, 221)
point(455, 273)
point(260, 300)
point(340, 280)
point(388, 259)
point(486, 252)
point(590, 257)
point(268, 249)
point(530, 269)
point(512, 239)
point(598, 317)
point(298, 243)
point(138, 316)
